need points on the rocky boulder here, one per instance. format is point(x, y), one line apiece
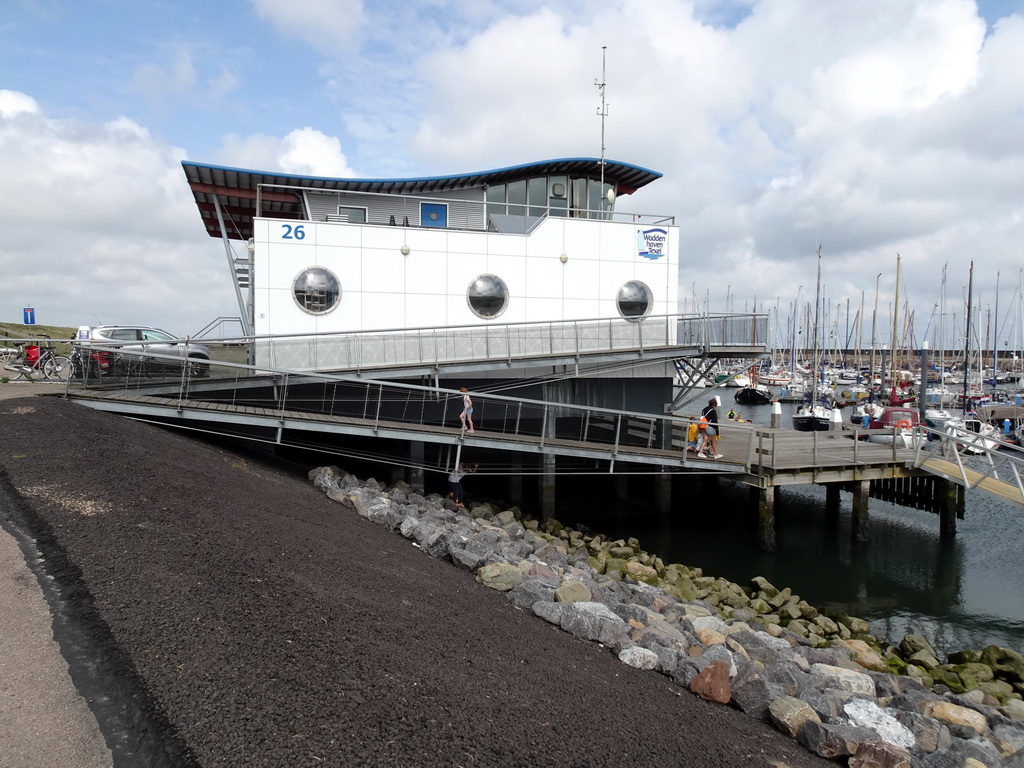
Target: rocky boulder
point(500, 576)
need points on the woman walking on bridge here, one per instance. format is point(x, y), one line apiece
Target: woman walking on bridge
point(467, 410)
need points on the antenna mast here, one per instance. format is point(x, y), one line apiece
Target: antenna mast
point(602, 113)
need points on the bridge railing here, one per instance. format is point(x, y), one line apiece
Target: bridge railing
point(394, 348)
point(383, 405)
point(974, 461)
point(505, 342)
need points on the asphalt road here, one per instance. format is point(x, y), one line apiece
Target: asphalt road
point(44, 722)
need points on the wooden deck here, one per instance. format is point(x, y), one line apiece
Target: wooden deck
point(786, 457)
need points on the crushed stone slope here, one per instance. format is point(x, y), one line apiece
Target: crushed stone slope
point(258, 623)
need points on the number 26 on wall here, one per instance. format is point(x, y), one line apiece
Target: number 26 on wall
point(296, 232)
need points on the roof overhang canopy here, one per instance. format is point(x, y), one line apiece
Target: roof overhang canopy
point(236, 188)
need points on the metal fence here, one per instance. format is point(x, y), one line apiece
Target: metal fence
point(515, 341)
point(396, 410)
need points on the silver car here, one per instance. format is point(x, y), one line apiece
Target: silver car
point(134, 341)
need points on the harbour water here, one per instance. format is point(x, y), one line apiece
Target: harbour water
point(965, 591)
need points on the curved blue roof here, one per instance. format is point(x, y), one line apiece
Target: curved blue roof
point(235, 188)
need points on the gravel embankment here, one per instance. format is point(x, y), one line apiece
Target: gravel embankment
point(239, 617)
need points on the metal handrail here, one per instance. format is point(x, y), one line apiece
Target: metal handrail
point(1003, 455)
point(532, 418)
point(411, 204)
point(359, 350)
point(691, 319)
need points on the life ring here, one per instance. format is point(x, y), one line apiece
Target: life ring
point(903, 424)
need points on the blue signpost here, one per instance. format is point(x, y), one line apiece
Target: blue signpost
point(30, 316)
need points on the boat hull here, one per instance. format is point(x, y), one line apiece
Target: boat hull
point(903, 438)
point(811, 424)
point(753, 396)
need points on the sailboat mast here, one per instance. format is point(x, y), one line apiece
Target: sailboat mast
point(942, 334)
point(874, 339)
point(895, 314)
point(967, 335)
point(995, 342)
point(814, 354)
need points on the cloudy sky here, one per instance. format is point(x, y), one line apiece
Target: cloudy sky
point(869, 127)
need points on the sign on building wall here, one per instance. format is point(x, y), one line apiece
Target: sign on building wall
point(652, 243)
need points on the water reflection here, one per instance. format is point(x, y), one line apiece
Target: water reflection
point(960, 592)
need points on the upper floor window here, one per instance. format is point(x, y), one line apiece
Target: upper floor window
point(556, 195)
point(353, 214)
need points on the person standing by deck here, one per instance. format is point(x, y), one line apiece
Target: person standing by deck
point(710, 413)
point(455, 482)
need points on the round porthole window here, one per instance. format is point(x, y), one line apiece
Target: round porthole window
point(487, 296)
point(634, 300)
point(316, 290)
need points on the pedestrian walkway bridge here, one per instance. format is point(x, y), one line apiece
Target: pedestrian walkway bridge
point(278, 403)
point(287, 407)
point(465, 349)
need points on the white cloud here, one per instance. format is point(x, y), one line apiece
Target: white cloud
point(304, 151)
point(97, 227)
point(872, 129)
point(13, 103)
point(328, 25)
point(180, 81)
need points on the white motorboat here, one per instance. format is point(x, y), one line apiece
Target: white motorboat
point(972, 435)
point(936, 418)
point(895, 424)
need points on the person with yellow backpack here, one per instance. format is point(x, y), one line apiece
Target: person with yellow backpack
point(692, 435)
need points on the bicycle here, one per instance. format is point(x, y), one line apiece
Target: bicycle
point(34, 361)
point(94, 364)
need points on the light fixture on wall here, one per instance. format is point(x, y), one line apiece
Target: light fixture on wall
point(563, 258)
point(405, 250)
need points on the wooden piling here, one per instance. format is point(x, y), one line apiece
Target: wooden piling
point(948, 508)
point(766, 519)
point(832, 499)
point(414, 475)
point(663, 493)
point(547, 487)
point(861, 491)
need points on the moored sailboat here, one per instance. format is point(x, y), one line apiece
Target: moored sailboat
point(814, 415)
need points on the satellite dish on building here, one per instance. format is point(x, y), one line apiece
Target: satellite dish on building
point(610, 194)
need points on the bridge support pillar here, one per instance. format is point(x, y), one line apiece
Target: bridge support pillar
point(766, 519)
point(949, 501)
point(547, 487)
point(832, 499)
point(663, 493)
point(621, 486)
point(414, 475)
point(859, 531)
point(515, 481)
